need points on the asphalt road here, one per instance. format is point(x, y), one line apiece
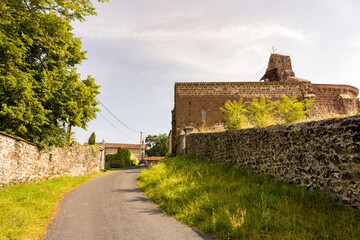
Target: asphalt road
point(113, 206)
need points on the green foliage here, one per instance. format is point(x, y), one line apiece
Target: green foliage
point(27, 208)
point(234, 114)
point(92, 139)
point(112, 161)
point(157, 145)
point(262, 112)
point(229, 202)
point(124, 155)
point(40, 89)
point(121, 159)
point(289, 110)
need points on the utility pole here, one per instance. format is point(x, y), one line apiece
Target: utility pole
point(141, 153)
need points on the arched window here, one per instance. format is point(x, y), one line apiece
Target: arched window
point(203, 115)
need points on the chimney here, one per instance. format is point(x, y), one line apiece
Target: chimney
point(103, 141)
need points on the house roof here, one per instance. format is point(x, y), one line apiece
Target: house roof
point(155, 158)
point(117, 145)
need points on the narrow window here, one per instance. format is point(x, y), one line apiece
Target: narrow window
point(203, 115)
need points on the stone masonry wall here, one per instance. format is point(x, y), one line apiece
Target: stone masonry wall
point(22, 161)
point(319, 154)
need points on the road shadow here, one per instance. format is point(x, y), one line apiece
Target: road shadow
point(134, 169)
point(130, 190)
point(203, 236)
point(157, 211)
point(151, 211)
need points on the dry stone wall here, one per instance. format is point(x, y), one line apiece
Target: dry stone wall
point(22, 161)
point(321, 154)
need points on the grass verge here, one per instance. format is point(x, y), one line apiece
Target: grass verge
point(228, 202)
point(26, 209)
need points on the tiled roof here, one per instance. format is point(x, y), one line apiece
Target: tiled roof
point(155, 158)
point(123, 145)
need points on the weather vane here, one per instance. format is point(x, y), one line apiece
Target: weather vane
point(273, 48)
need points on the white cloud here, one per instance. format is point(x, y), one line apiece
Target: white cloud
point(250, 31)
point(229, 51)
point(354, 42)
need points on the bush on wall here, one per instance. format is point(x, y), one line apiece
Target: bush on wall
point(263, 112)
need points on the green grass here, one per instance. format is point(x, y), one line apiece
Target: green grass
point(26, 209)
point(228, 202)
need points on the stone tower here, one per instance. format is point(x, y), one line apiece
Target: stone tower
point(279, 69)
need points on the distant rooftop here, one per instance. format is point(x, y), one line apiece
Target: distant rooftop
point(155, 158)
point(117, 145)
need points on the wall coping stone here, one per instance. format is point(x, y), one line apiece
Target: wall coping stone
point(18, 138)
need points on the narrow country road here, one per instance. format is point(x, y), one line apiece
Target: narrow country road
point(113, 206)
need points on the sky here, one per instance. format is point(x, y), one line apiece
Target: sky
point(138, 49)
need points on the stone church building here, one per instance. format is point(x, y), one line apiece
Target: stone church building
point(199, 103)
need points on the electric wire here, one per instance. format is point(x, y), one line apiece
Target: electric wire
point(149, 131)
point(116, 117)
point(117, 128)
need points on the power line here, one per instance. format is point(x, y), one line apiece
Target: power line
point(125, 124)
point(116, 117)
point(117, 128)
point(157, 127)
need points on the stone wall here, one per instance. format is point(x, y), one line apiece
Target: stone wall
point(22, 161)
point(319, 154)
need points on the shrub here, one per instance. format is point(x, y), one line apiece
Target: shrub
point(234, 114)
point(263, 112)
point(112, 161)
point(133, 160)
point(122, 158)
point(289, 110)
point(260, 112)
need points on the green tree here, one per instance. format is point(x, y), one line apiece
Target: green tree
point(289, 110)
point(234, 114)
point(157, 145)
point(41, 93)
point(92, 139)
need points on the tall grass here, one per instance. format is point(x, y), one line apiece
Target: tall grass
point(234, 203)
point(25, 209)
